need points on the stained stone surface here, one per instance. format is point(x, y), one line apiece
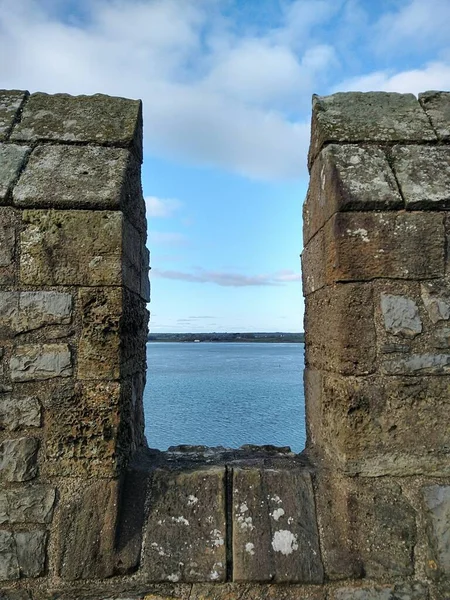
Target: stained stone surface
point(186, 530)
point(437, 502)
point(18, 412)
point(18, 459)
point(417, 364)
point(37, 362)
point(233, 591)
point(401, 315)
point(12, 158)
point(436, 298)
point(367, 117)
point(22, 554)
point(25, 311)
point(27, 504)
point(275, 536)
point(414, 591)
point(437, 107)
point(98, 119)
point(8, 224)
point(10, 103)
point(423, 174)
point(73, 177)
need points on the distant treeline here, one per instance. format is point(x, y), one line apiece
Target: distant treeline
point(227, 337)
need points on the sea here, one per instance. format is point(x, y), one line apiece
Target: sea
point(224, 394)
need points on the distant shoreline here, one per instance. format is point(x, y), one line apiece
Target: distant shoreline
point(268, 338)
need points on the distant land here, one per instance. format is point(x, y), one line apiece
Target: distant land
point(228, 337)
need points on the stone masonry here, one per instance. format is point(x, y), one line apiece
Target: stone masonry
point(87, 511)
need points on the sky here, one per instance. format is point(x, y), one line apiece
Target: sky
point(226, 87)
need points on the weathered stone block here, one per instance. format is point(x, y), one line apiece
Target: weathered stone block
point(436, 298)
point(274, 527)
point(340, 331)
point(86, 532)
point(26, 311)
point(417, 364)
point(10, 104)
point(8, 225)
point(73, 177)
point(437, 107)
point(18, 459)
point(185, 534)
point(9, 565)
point(15, 594)
point(401, 591)
point(401, 315)
point(37, 362)
point(423, 173)
point(437, 507)
point(27, 504)
point(314, 274)
point(12, 158)
point(367, 117)
point(98, 119)
point(348, 178)
point(18, 412)
point(253, 591)
point(22, 554)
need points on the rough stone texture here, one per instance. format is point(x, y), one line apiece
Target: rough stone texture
point(367, 117)
point(348, 178)
point(30, 504)
point(437, 505)
point(40, 362)
point(8, 226)
point(234, 591)
point(14, 594)
point(19, 412)
point(12, 158)
point(423, 174)
point(344, 340)
point(274, 527)
point(25, 311)
point(18, 459)
point(185, 533)
point(98, 119)
point(401, 315)
point(86, 532)
point(436, 298)
point(22, 554)
point(73, 177)
point(10, 104)
point(402, 591)
point(437, 107)
point(417, 364)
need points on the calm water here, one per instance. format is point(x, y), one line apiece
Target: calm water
point(224, 394)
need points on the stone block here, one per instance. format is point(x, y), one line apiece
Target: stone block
point(423, 174)
point(145, 279)
point(254, 591)
point(81, 437)
point(99, 119)
point(417, 364)
point(436, 298)
point(18, 459)
point(86, 531)
point(314, 275)
point(8, 226)
point(22, 554)
point(134, 332)
point(401, 315)
point(437, 107)
point(185, 533)
point(37, 362)
point(383, 117)
point(71, 247)
point(25, 311)
point(437, 510)
point(73, 177)
point(348, 178)
point(11, 102)
point(19, 412)
point(15, 594)
point(340, 330)
point(274, 527)
point(12, 157)
point(375, 426)
point(27, 504)
point(401, 591)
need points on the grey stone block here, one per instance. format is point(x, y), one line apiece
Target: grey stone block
point(185, 533)
point(28, 504)
point(437, 504)
point(406, 591)
point(73, 177)
point(367, 117)
point(274, 528)
point(12, 158)
point(417, 364)
point(37, 362)
point(18, 459)
point(9, 564)
point(401, 315)
point(26, 311)
point(16, 413)
point(22, 554)
point(437, 107)
point(98, 119)
point(423, 173)
point(10, 103)
point(436, 298)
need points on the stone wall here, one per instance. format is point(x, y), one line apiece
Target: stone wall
point(87, 511)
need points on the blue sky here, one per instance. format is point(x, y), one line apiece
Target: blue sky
point(226, 86)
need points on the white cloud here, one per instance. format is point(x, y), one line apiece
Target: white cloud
point(229, 279)
point(161, 207)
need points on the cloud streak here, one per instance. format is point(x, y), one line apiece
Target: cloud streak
point(229, 279)
point(163, 208)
